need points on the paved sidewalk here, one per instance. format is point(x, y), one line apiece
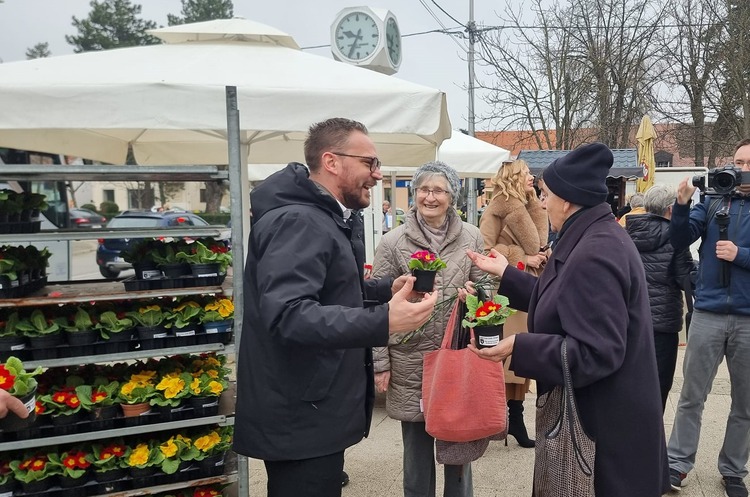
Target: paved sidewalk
point(374, 465)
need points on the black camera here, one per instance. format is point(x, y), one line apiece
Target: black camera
point(722, 180)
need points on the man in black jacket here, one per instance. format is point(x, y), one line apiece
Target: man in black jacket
point(305, 386)
point(666, 271)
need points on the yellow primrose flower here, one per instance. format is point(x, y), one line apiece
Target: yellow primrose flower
point(171, 385)
point(127, 388)
point(212, 373)
point(183, 438)
point(212, 361)
point(195, 386)
point(168, 448)
point(189, 303)
point(215, 387)
point(139, 456)
point(207, 442)
point(144, 310)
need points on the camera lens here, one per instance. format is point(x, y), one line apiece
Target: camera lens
point(725, 181)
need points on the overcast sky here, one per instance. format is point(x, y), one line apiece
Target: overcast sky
point(434, 59)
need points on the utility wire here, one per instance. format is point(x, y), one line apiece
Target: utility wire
point(437, 19)
point(446, 13)
point(461, 30)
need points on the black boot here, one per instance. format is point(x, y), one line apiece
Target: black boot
point(516, 428)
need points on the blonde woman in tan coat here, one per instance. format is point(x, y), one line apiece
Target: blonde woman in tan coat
point(515, 224)
point(432, 224)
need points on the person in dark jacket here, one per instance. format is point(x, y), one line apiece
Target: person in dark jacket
point(305, 382)
point(592, 294)
point(666, 272)
point(720, 328)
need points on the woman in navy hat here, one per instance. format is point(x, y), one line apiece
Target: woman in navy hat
point(592, 294)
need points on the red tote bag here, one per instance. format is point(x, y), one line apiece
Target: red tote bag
point(463, 395)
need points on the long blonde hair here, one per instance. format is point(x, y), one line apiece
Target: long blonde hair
point(510, 180)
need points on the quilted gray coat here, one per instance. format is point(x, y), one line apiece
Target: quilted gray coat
point(404, 358)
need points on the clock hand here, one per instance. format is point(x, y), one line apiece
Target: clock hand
point(355, 45)
point(349, 34)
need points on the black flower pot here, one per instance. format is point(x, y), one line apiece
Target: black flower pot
point(488, 336)
point(204, 406)
point(212, 465)
point(103, 418)
point(66, 424)
point(152, 337)
point(425, 280)
point(205, 270)
point(81, 342)
point(8, 287)
point(7, 488)
point(218, 331)
point(11, 422)
point(111, 475)
point(186, 336)
point(12, 346)
point(117, 342)
point(37, 486)
point(45, 346)
point(175, 269)
point(74, 487)
point(147, 271)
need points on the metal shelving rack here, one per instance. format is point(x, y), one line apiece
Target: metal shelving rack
point(72, 292)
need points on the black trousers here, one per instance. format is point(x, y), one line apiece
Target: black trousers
point(316, 477)
point(665, 345)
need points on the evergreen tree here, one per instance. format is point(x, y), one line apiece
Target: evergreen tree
point(202, 10)
point(38, 51)
point(111, 24)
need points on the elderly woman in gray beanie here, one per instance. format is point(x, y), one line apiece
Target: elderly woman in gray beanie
point(432, 224)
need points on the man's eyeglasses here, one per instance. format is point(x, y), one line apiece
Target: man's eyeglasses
point(373, 162)
point(436, 192)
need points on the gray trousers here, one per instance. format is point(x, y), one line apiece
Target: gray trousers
point(419, 466)
point(713, 337)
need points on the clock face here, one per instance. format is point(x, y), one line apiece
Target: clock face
point(393, 41)
point(357, 36)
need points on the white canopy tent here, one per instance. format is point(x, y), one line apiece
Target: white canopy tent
point(168, 101)
point(471, 157)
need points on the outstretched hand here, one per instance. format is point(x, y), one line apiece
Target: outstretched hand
point(409, 310)
point(495, 263)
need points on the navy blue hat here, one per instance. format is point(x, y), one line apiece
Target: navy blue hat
point(580, 176)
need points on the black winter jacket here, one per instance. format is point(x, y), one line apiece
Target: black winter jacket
point(667, 270)
point(305, 383)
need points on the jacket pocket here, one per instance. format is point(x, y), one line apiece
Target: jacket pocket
point(325, 372)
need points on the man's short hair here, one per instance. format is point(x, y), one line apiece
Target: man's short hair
point(331, 134)
point(741, 144)
point(659, 198)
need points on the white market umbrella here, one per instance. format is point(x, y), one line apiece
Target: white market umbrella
point(168, 101)
point(471, 157)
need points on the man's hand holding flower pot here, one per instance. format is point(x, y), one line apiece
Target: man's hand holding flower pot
point(8, 403)
point(405, 315)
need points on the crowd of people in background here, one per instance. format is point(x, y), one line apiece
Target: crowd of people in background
point(319, 339)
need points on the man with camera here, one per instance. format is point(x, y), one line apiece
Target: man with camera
point(720, 325)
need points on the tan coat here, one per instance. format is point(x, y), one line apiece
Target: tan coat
point(516, 231)
point(404, 360)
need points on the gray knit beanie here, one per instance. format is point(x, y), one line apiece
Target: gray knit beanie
point(425, 171)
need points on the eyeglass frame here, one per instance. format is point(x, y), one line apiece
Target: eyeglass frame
point(374, 165)
point(431, 191)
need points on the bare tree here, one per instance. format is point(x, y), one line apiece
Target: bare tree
point(536, 86)
point(688, 65)
point(584, 65)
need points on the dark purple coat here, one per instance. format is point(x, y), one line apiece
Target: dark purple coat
point(593, 291)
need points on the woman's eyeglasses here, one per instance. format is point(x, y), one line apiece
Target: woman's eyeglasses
point(373, 162)
point(436, 192)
